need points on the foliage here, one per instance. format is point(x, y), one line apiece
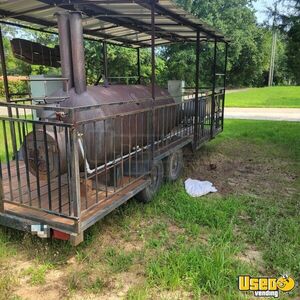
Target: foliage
point(249, 51)
point(14, 66)
point(15, 87)
point(122, 62)
point(93, 60)
point(290, 25)
point(293, 52)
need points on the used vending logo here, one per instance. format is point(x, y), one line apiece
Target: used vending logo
point(266, 286)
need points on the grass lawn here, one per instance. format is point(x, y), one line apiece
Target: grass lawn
point(279, 96)
point(178, 247)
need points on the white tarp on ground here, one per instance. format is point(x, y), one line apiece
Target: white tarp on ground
point(197, 188)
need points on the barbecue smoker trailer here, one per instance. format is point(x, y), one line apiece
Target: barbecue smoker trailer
point(73, 155)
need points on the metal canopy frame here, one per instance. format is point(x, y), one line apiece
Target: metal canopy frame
point(121, 22)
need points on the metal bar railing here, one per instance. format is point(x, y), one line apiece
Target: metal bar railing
point(67, 168)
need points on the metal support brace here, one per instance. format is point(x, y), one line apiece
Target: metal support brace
point(152, 75)
point(104, 53)
point(6, 90)
point(138, 65)
point(224, 83)
point(75, 175)
point(197, 90)
point(213, 104)
point(4, 71)
point(1, 197)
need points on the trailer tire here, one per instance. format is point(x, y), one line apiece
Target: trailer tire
point(174, 165)
point(157, 176)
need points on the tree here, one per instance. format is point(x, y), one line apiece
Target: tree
point(248, 58)
point(291, 25)
point(293, 51)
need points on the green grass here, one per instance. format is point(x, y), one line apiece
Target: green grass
point(118, 261)
point(281, 96)
point(19, 131)
point(83, 281)
point(37, 274)
point(7, 283)
point(178, 247)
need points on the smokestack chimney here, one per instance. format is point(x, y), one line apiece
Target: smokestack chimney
point(65, 48)
point(77, 52)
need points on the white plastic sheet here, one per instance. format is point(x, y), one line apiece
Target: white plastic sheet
point(197, 188)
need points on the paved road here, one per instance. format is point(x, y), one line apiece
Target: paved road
point(236, 90)
point(276, 114)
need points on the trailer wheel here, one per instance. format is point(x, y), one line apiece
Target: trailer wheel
point(157, 175)
point(174, 165)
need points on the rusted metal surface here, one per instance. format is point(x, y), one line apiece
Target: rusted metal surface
point(105, 130)
point(77, 52)
point(63, 24)
point(35, 53)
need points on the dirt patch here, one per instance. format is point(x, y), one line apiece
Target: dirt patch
point(116, 285)
point(20, 265)
point(241, 168)
point(175, 295)
point(252, 256)
point(127, 241)
point(123, 282)
point(174, 229)
point(54, 287)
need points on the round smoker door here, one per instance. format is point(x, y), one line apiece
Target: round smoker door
point(38, 147)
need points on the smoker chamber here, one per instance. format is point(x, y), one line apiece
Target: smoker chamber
point(115, 135)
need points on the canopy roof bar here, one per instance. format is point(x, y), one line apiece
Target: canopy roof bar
point(93, 10)
point(121, 22)
point(36, 9)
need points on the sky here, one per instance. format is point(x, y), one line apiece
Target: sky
point(261, 7)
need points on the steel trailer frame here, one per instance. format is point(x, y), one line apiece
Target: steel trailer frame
point(71, 203)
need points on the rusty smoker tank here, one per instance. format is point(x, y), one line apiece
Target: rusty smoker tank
point(101, 140)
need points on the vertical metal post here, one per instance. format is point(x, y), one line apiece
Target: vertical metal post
point(6, 90)
point(212, 119)
point(75, 176)
point(1, 196)
point(4, 71)
point(197, 89)
point(138, 65)
point(224, 82)
point(104, 53)
point(152, 74)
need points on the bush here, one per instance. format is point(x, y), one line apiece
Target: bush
point(15, 86)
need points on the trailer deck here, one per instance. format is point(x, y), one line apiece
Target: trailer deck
point(21, 216)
